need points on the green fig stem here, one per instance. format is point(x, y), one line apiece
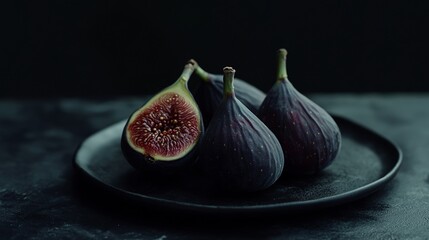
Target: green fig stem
point(187, 72)
point(205, 76)
point(228, 81)
point(281, 70)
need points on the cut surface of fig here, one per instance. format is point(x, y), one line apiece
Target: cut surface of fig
point(239, 153)
point(309, 136)
point(165, 131)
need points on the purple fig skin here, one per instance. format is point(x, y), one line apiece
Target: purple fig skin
point(239, 153)
point(209, 93)
point(309, 136)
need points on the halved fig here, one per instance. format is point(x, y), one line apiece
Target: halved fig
point(164, 133)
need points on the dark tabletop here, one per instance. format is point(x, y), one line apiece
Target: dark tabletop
point(42, 198)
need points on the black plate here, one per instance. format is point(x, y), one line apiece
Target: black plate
point(366, 162)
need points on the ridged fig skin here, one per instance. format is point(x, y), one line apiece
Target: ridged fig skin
point(209, 94)
point(147, 165)
point(239, 153)
point(309, 136)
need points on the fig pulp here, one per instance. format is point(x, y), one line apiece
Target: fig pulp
point(164, 133)
point(209, 93)
point(239, 153)
point(309, 136)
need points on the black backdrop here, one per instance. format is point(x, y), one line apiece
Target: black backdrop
point(103, 48)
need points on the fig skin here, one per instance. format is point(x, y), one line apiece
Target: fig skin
point(309, 136)
point(239, 153)
point(150, 165)
point(209, 93)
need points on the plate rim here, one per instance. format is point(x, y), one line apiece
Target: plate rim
point(323, 202)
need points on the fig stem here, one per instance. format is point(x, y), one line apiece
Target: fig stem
point(205, 76)
point(228, 81)
point(281, 70)
point(187, 71)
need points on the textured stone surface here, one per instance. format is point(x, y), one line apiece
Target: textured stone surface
point(41, 198)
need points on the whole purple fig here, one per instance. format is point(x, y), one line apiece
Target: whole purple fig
point(309, 136)
point(239, 153)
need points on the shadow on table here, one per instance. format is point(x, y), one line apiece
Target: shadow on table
point(118, 210)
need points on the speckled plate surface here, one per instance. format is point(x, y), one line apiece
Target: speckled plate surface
point(366, 162)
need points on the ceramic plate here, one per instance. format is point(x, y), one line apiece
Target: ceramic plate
point(366, 162)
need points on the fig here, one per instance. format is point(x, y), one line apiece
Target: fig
point(163, 135)
point(309, 136)
point(209, 93)
point(239, 153)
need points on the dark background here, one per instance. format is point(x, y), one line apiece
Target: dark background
point(103, 48)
